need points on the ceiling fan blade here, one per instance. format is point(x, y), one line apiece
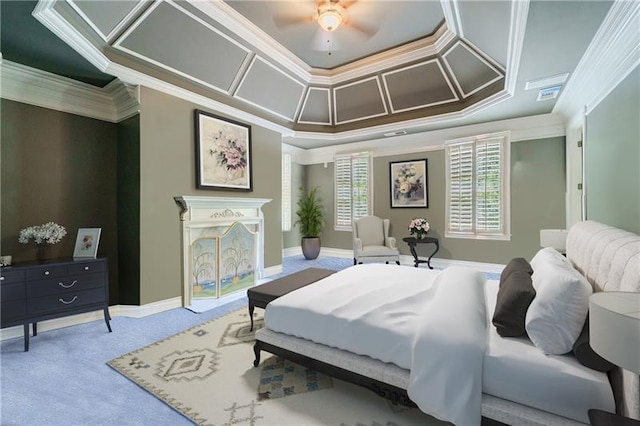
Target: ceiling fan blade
point(284, 21)
point(324, 41)
point(367, 31)
point(346, 4)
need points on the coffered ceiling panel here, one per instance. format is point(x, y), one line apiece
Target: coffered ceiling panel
point(471, 71)
point(493, 38)
point(418, 86)
point(171, 37)
point(106, 17)
point(358, 101)
point(268, 87)
point(316, 109)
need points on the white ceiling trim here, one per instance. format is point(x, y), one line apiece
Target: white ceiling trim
point(444, 75)
point(108, 37)
point(517, 28)
point(258, 58)
point(50, 18)
point(452, 16)
point(304, 104)
point(335, 108)
point(612, 54)
point(118, 46)
point(524, 128)
point(135, 77)
point(32, 86)
point(483, 60)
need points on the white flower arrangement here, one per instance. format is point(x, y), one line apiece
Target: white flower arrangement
point(48, 233)
point(419, 227)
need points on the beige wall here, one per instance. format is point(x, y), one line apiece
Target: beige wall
point(167, 169)
point(537, 202)
point(612, 157)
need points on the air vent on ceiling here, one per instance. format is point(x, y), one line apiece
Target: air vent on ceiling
point(549, 93)
point(397, 133)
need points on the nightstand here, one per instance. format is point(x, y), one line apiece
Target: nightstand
point(603, 418)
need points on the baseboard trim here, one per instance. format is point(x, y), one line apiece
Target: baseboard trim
point(135, 311)
point(273, 270)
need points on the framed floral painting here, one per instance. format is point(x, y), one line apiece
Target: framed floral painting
point(223, 153)
point(409, 183)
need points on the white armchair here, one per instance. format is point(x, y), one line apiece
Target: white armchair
point(371, 241)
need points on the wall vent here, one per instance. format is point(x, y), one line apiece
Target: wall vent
point(549, 93)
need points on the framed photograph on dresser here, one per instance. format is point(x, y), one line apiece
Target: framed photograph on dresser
point(87, 242)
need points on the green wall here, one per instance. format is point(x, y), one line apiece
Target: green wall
point(58, 167)
point(612, 157)
point(298, 180)
point(537, 202)
point(167, 169)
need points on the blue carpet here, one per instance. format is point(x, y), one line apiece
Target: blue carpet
point(64, 379)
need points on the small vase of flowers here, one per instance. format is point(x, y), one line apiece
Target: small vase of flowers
point(44, 236)
point(419, 227)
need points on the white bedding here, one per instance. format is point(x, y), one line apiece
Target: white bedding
point(375, 310)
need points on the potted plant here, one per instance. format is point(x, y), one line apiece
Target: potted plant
point(311, 220)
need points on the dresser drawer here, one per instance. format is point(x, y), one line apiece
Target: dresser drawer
point(12, 291)
point(7, 275)
point(66, 284)
point(46, 271)
point(87, 267)
point(12, 311)
point(67, 301)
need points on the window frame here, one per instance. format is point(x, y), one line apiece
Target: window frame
point(505, 186)
point(369, 190)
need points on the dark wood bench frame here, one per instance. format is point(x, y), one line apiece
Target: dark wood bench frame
point(259, 296)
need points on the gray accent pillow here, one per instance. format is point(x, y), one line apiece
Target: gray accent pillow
point(514, 297)
point(515, 264)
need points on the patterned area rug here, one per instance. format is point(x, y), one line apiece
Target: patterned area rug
point(207, 374)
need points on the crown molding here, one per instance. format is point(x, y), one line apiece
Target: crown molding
point(612, 54)
point(525, 128)
point(517, 28)
point(45, 13)
point(36, 87)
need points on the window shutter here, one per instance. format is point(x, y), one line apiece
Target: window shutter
point(352, 188)
point(478, 187)
point(286, 192)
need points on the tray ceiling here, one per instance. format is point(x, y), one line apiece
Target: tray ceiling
point(393, 62)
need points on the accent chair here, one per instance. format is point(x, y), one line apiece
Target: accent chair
point(371, 241)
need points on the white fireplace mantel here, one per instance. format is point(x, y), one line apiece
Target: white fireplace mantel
point(214, 215)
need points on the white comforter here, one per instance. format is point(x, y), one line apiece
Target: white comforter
point(431, 323)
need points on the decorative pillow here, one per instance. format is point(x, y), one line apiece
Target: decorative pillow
point(586, 355)
point(555, 317)
point(546, 255)
point(514, 297)
point(515, 264)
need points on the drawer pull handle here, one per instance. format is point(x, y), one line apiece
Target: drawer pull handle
point(68, 286)
point(69, 302)
point(86, 268)
point(1, 278)
point(46, 272)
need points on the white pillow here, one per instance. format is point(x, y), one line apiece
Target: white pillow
point(546, 255)
point(555, 318)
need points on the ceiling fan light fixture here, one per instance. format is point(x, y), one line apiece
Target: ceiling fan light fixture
point(330, 17)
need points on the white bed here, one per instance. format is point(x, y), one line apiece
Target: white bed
point(520, 385)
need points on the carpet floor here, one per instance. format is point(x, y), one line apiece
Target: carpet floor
point(206, 373)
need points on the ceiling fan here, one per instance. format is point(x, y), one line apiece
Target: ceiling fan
point(330, 15)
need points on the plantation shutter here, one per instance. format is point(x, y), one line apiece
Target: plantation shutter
point(478, 187)
point(286, 192)
point(352, 188)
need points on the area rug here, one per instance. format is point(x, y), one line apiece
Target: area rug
point(207, 374)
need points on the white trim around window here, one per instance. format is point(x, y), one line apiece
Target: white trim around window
point(478, 187)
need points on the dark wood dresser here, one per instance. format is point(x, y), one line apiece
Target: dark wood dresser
point(36, 291)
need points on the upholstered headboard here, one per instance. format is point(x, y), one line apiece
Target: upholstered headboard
point(610, 259)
